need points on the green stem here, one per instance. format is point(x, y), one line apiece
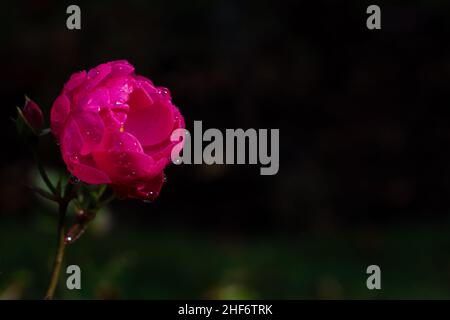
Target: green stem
point(59, 251)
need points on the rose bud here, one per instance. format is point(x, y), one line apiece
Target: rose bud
point(114, 128)
point(30, 119)
point(33, 114)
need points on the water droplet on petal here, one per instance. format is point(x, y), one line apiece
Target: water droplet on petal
point(74, 233)
point(74, 158)
point(164, 178)
point(131, 174)
point(150, 197)
point(164, 92)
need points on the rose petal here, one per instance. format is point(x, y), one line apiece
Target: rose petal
point(145, 190)
point(140, 99)
point(97, 74)
point(75, 81)
point(113, 121)
point(95, 100)
point(120, 68)
point(59, 114)
point(178, 118)
point(121, 141)
point(149, 121)
point(89, 174)
point(163, 150)
point(119, 88)
point(145, 83)
point(125, 166)
point(91, 128)
point(71, 143)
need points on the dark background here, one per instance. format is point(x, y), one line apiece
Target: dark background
point(364, 139)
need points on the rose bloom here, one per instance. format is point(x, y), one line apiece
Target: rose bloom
point(114, 127)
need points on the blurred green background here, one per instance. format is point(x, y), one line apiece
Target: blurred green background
point(121, 261)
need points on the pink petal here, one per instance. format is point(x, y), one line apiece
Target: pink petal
point(97, 74)
point(163, 150)
point(119, 88)
point(75, 81)
point(147, 190)
point(122, 158)
point(95, 100)
point(149, 121)
point(121, 68)
point(140, 99)
point(121, 141)
point(178, 118)
point(59, 113)
point(89, 174)
point(91, 129)
point(71, 144)
point(113, 121)
point(125, 166)
point(146, 84)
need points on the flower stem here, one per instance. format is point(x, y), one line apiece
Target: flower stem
point(59, 251)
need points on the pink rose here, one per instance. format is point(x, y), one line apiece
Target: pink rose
point(114, 127)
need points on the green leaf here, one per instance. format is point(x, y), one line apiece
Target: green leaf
point(24, 129)
point(59, 185)
point(44, 193)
